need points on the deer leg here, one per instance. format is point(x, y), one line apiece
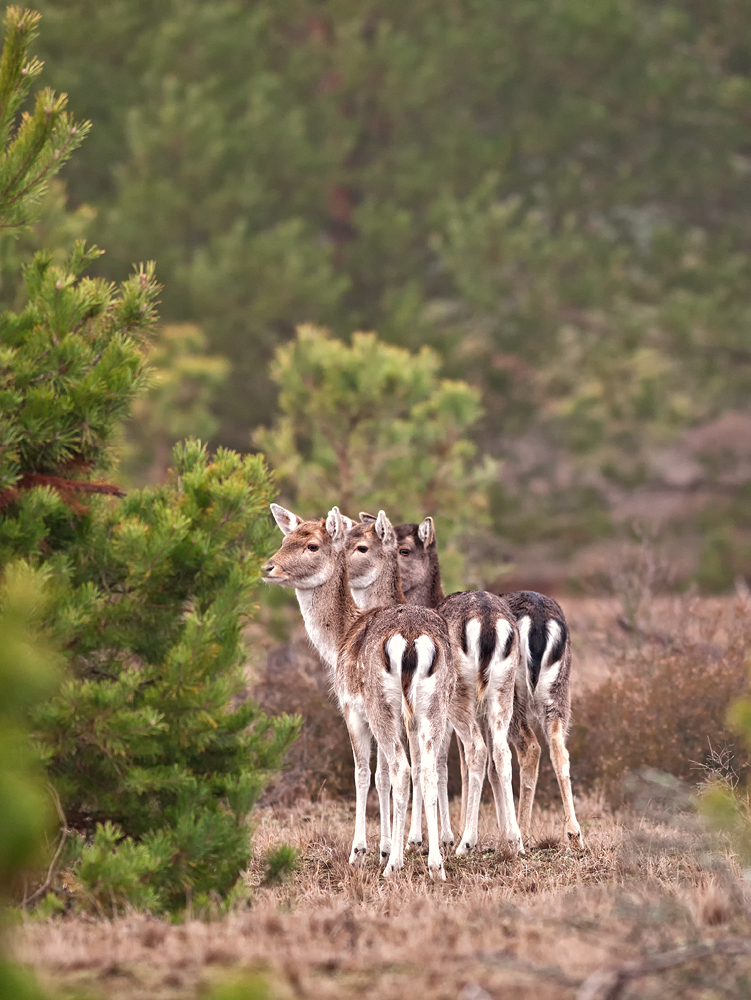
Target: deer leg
point(447, 836)
point(465, 783)
point(399, 773)
point(477, 755)
point(495, 782)
point(499, 770)
point(383, 784)
point(360, 737)
point(560, 758)
point(414, 840)
point(429, 758)
point(528, 752)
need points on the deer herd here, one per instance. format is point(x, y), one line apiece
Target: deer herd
point(404, 658)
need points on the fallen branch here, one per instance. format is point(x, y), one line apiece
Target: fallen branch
point(607, 984)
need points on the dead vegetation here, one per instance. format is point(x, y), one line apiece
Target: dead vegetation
point(532, 927)
point(650, 881)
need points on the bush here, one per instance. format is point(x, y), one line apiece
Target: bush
point(150, 729)
point(151, 748)
point(664, 706)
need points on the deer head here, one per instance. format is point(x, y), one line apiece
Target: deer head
point(370, 545)
point(308, 555)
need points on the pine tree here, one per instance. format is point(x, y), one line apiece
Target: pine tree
point(373, 426)
point(154, 752)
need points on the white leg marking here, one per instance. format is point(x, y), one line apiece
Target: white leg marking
point(359, 734)
point(414, 840)
point(447, 836)
point(383, 784)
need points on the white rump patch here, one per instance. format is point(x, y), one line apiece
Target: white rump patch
point(522, 675)
point(395, 651)
point(472, 630)
point(549, 671)
point(425, 654)
point(504, 629)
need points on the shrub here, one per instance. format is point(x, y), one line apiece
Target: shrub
point(154, 753)
point(664, 706)
point(151, 730)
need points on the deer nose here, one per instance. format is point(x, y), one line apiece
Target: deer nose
point(267, 569)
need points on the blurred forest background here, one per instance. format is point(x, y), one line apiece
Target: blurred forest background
point(552, 197)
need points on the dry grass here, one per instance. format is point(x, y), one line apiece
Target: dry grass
point(532, 927)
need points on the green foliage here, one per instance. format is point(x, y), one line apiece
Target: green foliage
point(150, 729)
point(35, 148)
point(280, 863)
point(154, 753)
point(249, 987)
point(28, 673)
point(71, 365)
point(184, 383)
point(369, 425)
point(555, 200)
point(727, 806)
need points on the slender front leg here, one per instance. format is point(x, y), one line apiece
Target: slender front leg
point(561, 766)
point(383, 784)
point(430, 794)
point(414, 841)
point(442, 765)
point(399, 771)
point(359, 734)
point(528, 752)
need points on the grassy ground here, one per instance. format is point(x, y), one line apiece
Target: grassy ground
point(530, 928)
point(533, 927)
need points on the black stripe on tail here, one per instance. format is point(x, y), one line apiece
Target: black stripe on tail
point(537, 641)
point(409, 667)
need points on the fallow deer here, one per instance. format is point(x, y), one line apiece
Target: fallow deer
point(485, 650)
point(385, 664)
point(543, 693)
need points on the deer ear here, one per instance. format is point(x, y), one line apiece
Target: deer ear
point(367, 518)
point(385, 531)
point(426, 532)
point(286, 520)
point(348, 522)
point(335, 526)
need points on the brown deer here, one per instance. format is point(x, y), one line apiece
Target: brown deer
point(386, 664)
point(542, 693)
point(485, 651)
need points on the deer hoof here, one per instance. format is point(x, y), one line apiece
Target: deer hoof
point(465, 848)
point(437, 871)
point(357, 857)
point(575, 839)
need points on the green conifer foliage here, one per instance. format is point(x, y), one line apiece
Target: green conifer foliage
point(371, 425)
point(151, 748)
point(28, 672)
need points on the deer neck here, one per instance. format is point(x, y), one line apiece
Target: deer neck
point(429, 593)
point(328, 612)
point(386, 589)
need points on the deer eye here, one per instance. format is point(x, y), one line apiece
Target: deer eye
point(312, 547)
point(404, 552)
point(362, 548)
